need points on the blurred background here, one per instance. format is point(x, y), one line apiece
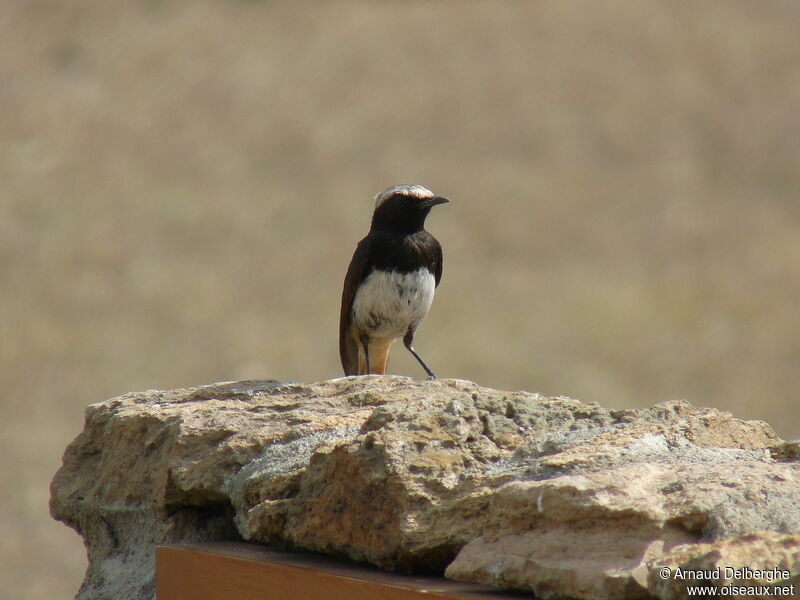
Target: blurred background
point(183, 185)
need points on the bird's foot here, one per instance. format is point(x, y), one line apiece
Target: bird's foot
point(431, 377)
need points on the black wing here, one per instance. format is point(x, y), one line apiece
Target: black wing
point(437, 264)
point(359, 268)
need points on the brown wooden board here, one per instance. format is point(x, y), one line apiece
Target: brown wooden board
point(237, 571)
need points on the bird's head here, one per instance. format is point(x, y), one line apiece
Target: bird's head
point(404, 208)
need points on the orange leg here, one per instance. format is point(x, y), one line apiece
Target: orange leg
point(379, 356)
point(376, 354)
point(362, 357)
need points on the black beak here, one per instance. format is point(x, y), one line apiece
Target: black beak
point(431, 202)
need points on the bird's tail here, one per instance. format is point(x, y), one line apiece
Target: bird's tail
point(348, 352)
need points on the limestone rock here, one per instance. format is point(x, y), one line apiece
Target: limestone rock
point(763, 560)
point(154, 467)
point(545, 494)
point(599, 534)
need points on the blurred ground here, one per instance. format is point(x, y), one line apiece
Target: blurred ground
point(183, 185)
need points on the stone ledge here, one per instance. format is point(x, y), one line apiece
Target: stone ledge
point(510, 489)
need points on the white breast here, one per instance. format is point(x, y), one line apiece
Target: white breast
point(387, 303)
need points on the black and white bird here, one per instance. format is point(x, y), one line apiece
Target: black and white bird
point(390, 283)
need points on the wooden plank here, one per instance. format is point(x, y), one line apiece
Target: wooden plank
point(237, 571)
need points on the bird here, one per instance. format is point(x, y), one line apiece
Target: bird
point(390, 282)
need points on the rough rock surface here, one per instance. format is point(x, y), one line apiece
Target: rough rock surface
point(513, 489)
point(765, 552)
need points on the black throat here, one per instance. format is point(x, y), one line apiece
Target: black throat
point(389, 217)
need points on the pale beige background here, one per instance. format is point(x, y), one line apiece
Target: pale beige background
point(182, 186)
